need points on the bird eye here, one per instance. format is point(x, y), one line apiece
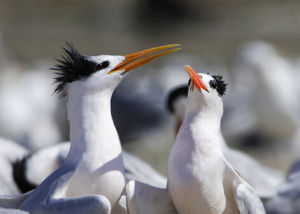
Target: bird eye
point(213, 84)
point(102, 65)
point(189, 82)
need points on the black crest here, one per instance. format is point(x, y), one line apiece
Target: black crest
point(73, 66)
point(218, 84)
point(175, 94)
point(19, 175)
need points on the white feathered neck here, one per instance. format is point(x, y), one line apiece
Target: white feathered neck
point(92, 130)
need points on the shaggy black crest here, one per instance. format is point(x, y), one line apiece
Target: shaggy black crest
point(73, 66)
point(218, 84)
point(19, 175)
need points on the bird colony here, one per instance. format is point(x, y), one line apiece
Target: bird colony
point(91, 173)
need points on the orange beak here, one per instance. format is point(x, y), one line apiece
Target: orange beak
point(195, 78)
point(140, 58)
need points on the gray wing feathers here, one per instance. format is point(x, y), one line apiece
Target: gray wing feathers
point(91, 204)
point(286, 201)
point(264, 180)
point(137, 169)
point(247, 201)
point(143, 199)
point(12, 211)
point(13, 201)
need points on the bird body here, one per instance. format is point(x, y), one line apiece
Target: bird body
point(190, 160)
point(94, 164)
point(97, 163)
point(263, 179)
point(200, 178)
point(91, 179)
point(39, 165)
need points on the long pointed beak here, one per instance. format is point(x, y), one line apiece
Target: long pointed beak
point(195, 78)
point(140, 58)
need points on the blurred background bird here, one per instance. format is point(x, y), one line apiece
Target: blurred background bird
point(252, 44)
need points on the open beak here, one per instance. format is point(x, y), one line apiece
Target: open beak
point(140, 58)
point(195, 78)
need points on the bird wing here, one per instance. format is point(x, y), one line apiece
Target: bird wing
point(245, 197)
point(12, 211)
point(13, 201)
point(264, 180)
point(247, 200)
point(42, 163)
point(137, 169)
point(92, 204)
point(143, 199)
point(286, 200)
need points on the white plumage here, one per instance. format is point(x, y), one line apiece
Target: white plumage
point(264, 98)
point(43, 162)
point(200, 180)
point(91, 180)
point(263, 179)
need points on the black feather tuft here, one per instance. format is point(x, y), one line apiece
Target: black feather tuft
point(72, 67)
point(19, 175)
point(219, 84)
point(175, 94)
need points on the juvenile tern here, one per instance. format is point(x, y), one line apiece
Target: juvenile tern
point(263, 179)
point(200, 180)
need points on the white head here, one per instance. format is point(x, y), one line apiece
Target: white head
point(205, 93)
point(80, 74)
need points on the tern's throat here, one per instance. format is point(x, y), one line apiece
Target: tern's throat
point(92, 131)
point(200, 129)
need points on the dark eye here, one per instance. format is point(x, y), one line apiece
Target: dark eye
point(213, 84)
point(189, 83)
point(102, 65)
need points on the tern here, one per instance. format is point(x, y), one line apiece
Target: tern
point(286, 200)
point(200, 180)
point(91, 179)
point(9, 152)
point(263, 179)
point(262, 109)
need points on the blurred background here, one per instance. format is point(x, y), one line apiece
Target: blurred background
point(254, 44)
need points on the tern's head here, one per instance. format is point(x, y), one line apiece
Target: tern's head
point(88, 74)
point(205, 92)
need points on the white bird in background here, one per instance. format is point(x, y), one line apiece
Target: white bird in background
point(200, 180)
point(265, 88)
point(286, 200)
point(28, 111)
point(35, 167)
point(91, 179)
point(176, 104)
point(9, 153)
point(264, 180)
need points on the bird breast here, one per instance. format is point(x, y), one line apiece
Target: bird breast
point(196, 184)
